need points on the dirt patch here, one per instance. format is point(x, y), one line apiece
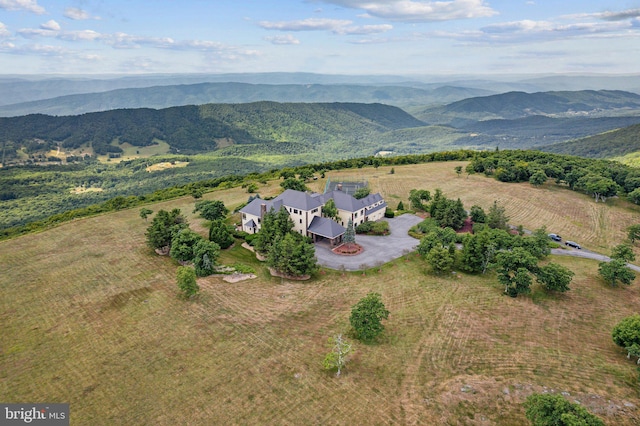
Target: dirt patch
point(481, 397)
point(234, 278)
point(166, 165)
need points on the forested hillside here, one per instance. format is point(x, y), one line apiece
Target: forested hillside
point(538, 130)
point(193, 129)
point(513, 105)
point(606, 145)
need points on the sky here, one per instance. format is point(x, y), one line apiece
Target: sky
point(354, 37)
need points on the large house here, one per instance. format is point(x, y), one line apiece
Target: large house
point(305, 211)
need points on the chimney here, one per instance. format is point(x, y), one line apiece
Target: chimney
point(263, 210)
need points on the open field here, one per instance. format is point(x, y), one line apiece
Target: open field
point(90, 316)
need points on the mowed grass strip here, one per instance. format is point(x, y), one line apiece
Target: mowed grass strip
point(91, 316)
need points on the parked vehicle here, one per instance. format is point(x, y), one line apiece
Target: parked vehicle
point(555, 237)
point(572, 244)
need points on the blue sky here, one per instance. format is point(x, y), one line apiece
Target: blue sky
point(400, 37)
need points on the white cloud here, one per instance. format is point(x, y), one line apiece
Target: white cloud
point(4, 32)
point(336, 26)
point(364, 29)
point(78, 14)
point(534, 31)
point(50, 25)
point(420, 10)
point(283, 39)
point(310, 24)
point(28, 5)
point(608, 16)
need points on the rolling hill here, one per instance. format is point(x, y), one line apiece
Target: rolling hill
point(615, 143)
point(537, 130)
point(514, 105)
point(342, 127)
point(99, 324)
point(203, 93)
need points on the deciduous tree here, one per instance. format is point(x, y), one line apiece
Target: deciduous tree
point(538, 178)
point(633, 233)
point(338, 357)
point(627, 335)
point(554, 410)
point(211, 210)
point(361, 192)
point(513, 270)
point(186, 278)
point(554, 277)
point(330, 210)
point(145, 212)
point(367, 315)
point(616, 271)
point(623, 252)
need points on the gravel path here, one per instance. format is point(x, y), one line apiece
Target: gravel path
point(588, 255)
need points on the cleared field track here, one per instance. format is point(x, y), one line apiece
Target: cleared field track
point(90, 316)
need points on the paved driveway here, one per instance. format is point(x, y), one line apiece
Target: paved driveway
point(377, 250)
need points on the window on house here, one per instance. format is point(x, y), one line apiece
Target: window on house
point(356, 215)
point(244, 216)
point(300, 220)
point(295, 211)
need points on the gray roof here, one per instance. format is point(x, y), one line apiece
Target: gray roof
point(298, 200)
point(250, 224)
point(346, 202)
point(325, 227)
point(253, 207)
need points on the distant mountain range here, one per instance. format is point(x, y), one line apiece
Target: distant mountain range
point(326, 130)
point(203, 93)
point(513, 105)
point(19, 91)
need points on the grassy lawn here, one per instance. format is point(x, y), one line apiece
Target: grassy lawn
point(90, 316)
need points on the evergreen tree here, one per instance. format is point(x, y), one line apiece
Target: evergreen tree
point(219, 234)
point(205, 257)
point(293, 255)
point(497, 217)
point(182, 245)
point(163, 227)
point(349, 234)
point(440, 259)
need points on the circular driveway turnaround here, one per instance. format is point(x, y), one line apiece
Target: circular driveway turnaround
point(376, 250)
